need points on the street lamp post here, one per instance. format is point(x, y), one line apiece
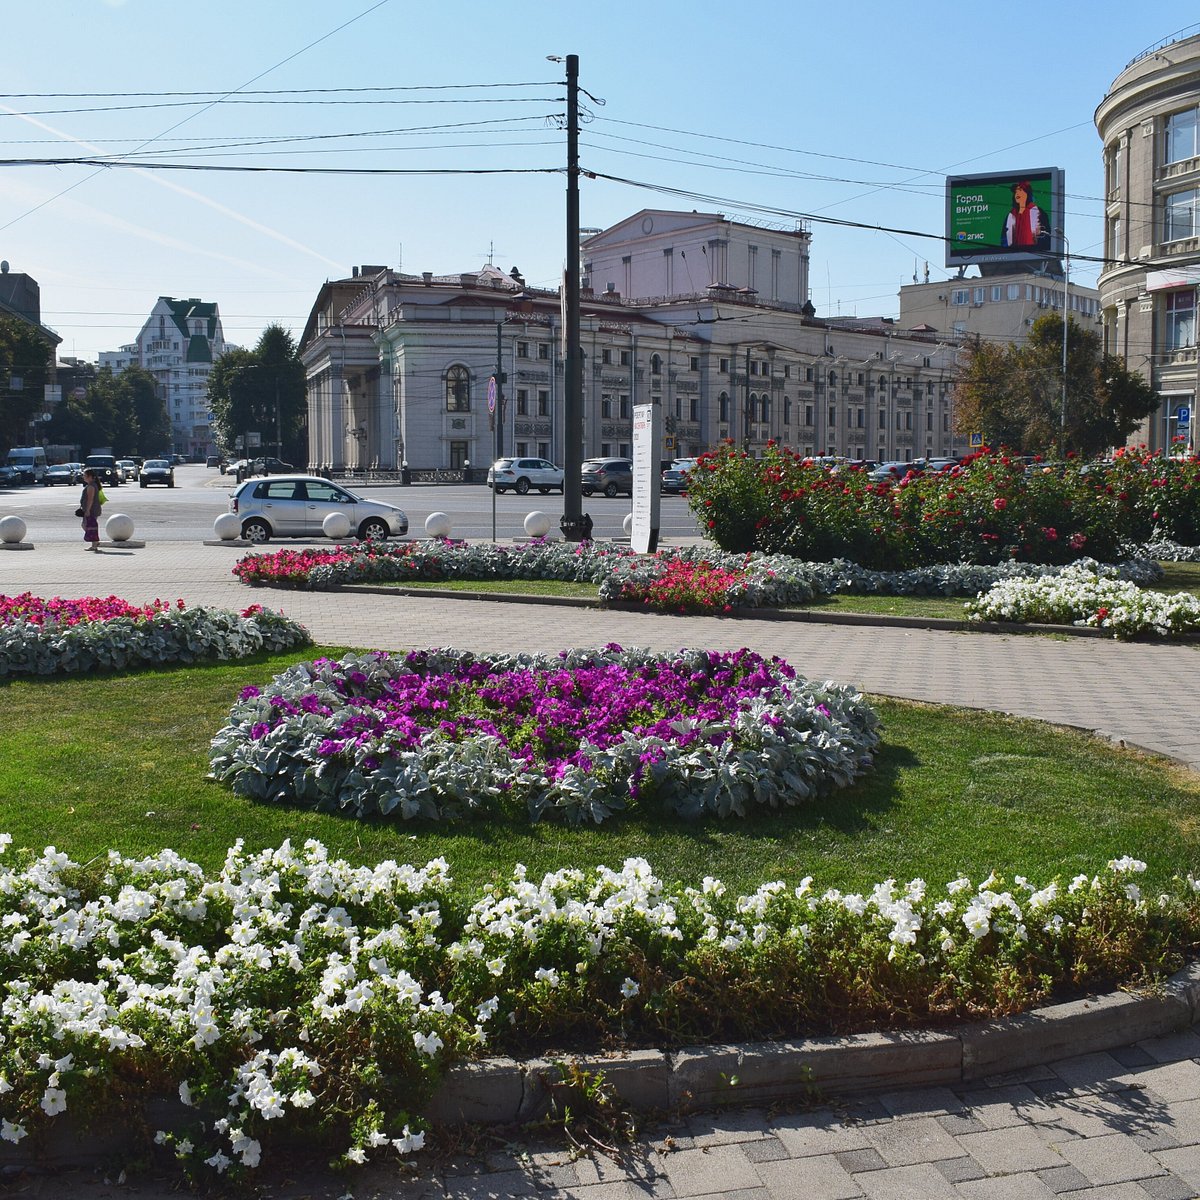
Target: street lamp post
point(1066, 325)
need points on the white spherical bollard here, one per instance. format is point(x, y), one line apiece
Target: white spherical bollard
point(12, 530)
point(438, 525)
point(227, 527)
point(537, 524)
point(119, 528)
point(627, 524)
point(336, 525)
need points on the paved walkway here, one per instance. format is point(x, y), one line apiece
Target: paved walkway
point(1123, 1125)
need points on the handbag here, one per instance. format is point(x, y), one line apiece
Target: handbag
point(79, 512)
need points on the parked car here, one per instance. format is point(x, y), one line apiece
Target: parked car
point(157, 470)
point(61, 473)
point(895, 471)
point(522, 474)
point(272, 466)
point(675, 477)
point(608, 475)
point(129, 469)
point(297, 505)
point(215, 460)
point(105, 468)
point(9, 476)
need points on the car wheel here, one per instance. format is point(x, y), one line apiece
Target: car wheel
point(142, 484)
point(610, 490)
point(255, 530)
point(586, 491)
point(500, 491)
point(544, 491)
point(373, 529)
point(522, 487)
point(171, 483)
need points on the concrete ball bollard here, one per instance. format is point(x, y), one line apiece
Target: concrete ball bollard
point(227, 527)
point(537, 524)
point(627, 524)
point(12, 530)
point(438, 525)
point(118, 528)
point(336, 525)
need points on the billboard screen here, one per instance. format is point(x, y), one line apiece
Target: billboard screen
point(996, 217)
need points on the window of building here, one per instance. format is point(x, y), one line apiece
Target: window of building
point(899, 420)
point(543, 349)
point(624, 407)
point(458, 390)
point(751, 408)
point(833, 379)
point(694, 362)
point(678, 407)
point(945, 422)
point(764, 368)
point(808, 374)
point(883, 418)
point(997, 293)
point(929, 422)
point(1115, 238)
point(1182, 136)
point(787, 410)
point(522, 402)
point(1181, 215)
point(723, 406)
point(606, 356)
point(522, 449)
point(787, 371)
point(753, 366)
point(832, 417)
point(543, 402)
point(1180, 318)
point(980, 295)
point(543, 449)
point(766, 410)
point(624, 358)
point(808, 415)
point(655, 364)
point(606, 405)
point(861, 418)
point(960, 296)
point(522, 349)
point(908, 419)
point(723, 366)
point(694, 408)
point(458, 455)
point(1013, 291)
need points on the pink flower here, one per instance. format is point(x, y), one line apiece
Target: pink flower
point(999, 504)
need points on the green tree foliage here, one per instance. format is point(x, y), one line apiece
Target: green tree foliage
point(1013, 394)
point(122, 411)
point(25, 359)
point(248, 388)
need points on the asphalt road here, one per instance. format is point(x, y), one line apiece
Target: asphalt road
point(201, 494)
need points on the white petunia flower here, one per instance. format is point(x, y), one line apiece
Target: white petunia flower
point(427, 1043)
point(629, 989)
point(54, 1101)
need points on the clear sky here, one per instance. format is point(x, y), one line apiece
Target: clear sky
point(851, 111)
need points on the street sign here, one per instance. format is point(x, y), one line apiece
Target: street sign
point(491, 394)
point(975, 439)
point(1183, 414)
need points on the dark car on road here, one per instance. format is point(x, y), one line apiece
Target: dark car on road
point(157, 470)
point(104, 467)
point(608, 475)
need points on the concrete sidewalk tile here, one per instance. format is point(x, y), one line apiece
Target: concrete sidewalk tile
point(491, 1186)
point(854, 1161)
point(722, 1128)
point(959, 1170)
point(919, 1182)
point(1008, 1151)
point(805, 1134)
point(819, 1178)
point(1168, 1081)
point(1111, 1159)
point(999, 1107)
point(1168, 1187)
point(1011, 1187)
point(1097, 1114)
point(718, 1170)
point(1095, 1072)
point(913, 1140)
point(927, 1101)
point(1063, 1179)
point(1172, 1047)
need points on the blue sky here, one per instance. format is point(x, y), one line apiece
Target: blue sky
point(852, 112)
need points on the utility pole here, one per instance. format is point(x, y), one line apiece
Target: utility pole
point(498, 414)
point(575, 526)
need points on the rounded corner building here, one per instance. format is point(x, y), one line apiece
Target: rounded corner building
point(1149, 122)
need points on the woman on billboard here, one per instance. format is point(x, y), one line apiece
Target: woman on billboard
point(1025, 225)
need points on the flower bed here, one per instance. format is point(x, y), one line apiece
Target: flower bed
point(56, 636)
point(446, 734)
point(1083, 595)
point(293, 999)
point(688, 578)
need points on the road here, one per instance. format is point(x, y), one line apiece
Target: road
point(201, 494)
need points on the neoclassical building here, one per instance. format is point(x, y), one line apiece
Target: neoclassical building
point(399, 366)
point(1150, 125)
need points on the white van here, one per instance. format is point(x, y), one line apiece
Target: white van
point(29, 462)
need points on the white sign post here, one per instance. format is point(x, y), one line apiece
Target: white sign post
point(647, 438)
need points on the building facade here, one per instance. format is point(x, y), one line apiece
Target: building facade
point(399, 368)
point(1149, 123)
point(994, 308)
point(178, 345)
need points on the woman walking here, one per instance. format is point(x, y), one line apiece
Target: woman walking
point(89, 510)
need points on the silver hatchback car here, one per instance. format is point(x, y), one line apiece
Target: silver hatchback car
point(297, 505)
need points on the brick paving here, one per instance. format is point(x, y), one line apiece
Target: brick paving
point(1122, 1125)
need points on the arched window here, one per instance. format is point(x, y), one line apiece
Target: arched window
point(766, 408)
point(787, 410)
point(751, 408)
point(655, 364)
point(458, 390)
point(723, 407)
point(883, 382)
point(833, 379)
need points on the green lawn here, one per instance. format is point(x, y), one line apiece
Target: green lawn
point(88, 764)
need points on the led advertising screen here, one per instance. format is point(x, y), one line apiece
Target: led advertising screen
point(1002, 217)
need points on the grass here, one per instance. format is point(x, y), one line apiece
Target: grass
point(89, 764)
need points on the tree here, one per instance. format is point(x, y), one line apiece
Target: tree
point(150, 411)
point(261, 391)
point(25, 357)
point(1013, 394)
